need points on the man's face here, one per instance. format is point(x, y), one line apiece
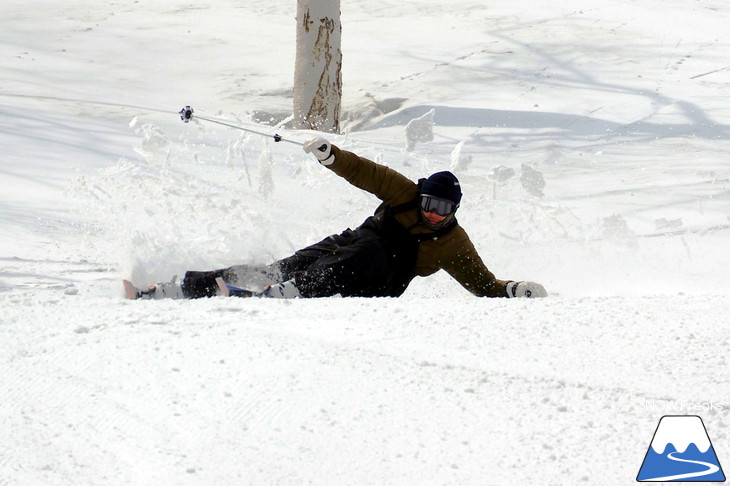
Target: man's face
point(435, 209)
point(433, 218)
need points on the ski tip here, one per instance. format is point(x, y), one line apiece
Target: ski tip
point(223, 287)
point(130, 291)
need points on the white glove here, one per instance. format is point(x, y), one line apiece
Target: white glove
point(525, 289)
point(320, 148)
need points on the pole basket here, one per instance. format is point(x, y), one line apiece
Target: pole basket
point(186, 114)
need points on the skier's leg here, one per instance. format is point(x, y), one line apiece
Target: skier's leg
point(346, 264)
point(360, 268)
point(202, 284)
point(254, 277)
point(349, 264)
point(302, 259)
point(315, 265)
point(196, 284)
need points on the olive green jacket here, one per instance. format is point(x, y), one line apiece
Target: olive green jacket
point(454, 251)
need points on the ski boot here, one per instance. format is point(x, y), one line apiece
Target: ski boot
point(164, 290)
point(284, 290)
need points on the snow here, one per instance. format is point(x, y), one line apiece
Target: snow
point(591, 140)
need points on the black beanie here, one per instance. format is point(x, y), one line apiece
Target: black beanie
point(443, 184)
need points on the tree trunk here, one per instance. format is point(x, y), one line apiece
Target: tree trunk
point(318, 68)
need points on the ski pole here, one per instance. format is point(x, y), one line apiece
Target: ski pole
point(186, 114)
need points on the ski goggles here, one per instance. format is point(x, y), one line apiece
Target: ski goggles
point(438, 205)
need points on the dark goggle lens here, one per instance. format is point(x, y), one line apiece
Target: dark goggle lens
point(442, 207)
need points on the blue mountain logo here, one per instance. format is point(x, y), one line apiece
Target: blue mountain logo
point(681, 451)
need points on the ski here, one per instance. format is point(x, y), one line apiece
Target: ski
point(232, 291)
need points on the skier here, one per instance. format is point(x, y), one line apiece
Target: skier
point(413, 232)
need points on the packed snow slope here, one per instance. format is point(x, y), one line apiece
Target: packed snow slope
point(592, 142)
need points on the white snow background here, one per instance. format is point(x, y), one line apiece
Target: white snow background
point(592, 142)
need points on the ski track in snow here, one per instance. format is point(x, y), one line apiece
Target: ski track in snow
point(620, 109)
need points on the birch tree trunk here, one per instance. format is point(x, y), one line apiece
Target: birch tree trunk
point(318, 67)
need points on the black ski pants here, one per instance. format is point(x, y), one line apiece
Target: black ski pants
point(354, 263)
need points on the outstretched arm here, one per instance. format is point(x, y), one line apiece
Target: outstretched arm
point(387, 184)
point(466, 266)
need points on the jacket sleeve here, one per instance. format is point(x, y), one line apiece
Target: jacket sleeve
point(466, 266)
point(385, 183)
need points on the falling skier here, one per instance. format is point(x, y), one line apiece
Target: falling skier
point(413, 232)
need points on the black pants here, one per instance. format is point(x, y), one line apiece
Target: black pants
point(353, 263)
point(357, 263)
point(202, 284)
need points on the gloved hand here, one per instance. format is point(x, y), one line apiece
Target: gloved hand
point(320, 148)
point(525, 289)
